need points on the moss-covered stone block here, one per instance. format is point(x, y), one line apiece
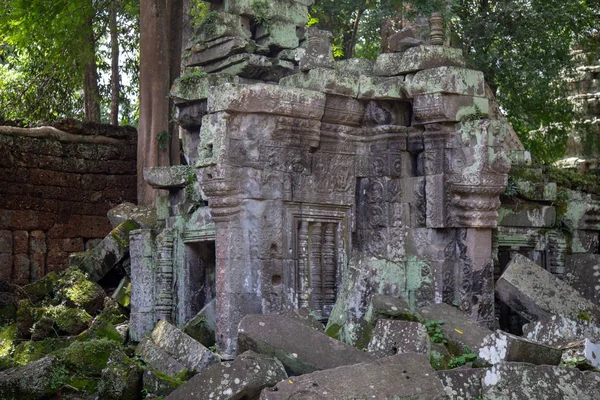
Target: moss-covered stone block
point(121, 379)
point(76, 290)
point(70, 321)
point(29, 351)
point(89, 356)
point(42, 288)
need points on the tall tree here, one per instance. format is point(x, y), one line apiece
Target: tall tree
point(160, 62)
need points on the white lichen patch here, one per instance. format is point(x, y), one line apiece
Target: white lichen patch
point(494, 348)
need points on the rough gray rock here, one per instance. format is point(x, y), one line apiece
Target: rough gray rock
point(558, 331)
point(30, 382)
point(583, 273)
point(143, 216)
point(460, 331)
point(502, 346)
point(462, 383)
point(300, 348)
point(158, 359)
point(243, 378)
point(392, 337)
point(535, 293)
point(404, 376)
point(202, 326)
point(509, 381)
point(189, 352)
point(108, 253)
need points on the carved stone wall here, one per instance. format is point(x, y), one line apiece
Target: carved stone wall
point(333, 181)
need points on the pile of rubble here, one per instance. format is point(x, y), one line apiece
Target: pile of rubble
point(63, 336)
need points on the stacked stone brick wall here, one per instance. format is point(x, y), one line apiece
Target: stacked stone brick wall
point(56, 185)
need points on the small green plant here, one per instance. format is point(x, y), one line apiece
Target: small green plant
point(434, 331)
point(572, 362)
point(209, 23)
point(58, 376)
point(463, 359)
point(260, 8)
point(584, 316)
point(189, 188)
point(475, 116)
point(191, 78)
point(163, 139)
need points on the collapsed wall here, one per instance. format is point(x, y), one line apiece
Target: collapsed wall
point(56, 186)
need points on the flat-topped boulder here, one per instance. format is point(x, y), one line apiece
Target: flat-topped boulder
point(300, 348)
point(391, 337)
point(502, 346)
point(404, 376)
point(559, 330)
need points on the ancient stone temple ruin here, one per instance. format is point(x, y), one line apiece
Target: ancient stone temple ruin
point(315, 184)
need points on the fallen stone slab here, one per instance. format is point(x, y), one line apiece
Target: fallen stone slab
point(416, 59)
point(462, 333)
point(303, 316)
point(30, 382)
point(300, 348)
point(143, 216)
point(158, 385)
point(509, 381)
point(558, 331)
point(158, 359)
point(391, 337)
point(98, 261)
point(189, 352)
point(535, 293)
point(462, 383)
point(583, 354)
point(503, 346)
point(243, 378)
point(404, 376)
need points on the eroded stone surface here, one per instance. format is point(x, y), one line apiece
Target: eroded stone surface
point(404, 376)
point(583, 273)
point(584, 354)
point(158, 359)
point(558, 330)
point(300, 348)
point(143, 216)
point(243, 378)
point(392, 337)
point(502, 346)
point(462, 383)
point(535, 293)
point(192, 354)
point(526, 381)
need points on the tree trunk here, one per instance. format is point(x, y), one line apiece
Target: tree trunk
point(114, 58)
point(158, 50)
point(91, 94)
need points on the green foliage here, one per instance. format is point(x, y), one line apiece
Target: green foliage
point(44, 49)
point(523, 48)
point(261, 10)
point(572, 362)
point(434, 331)
point(462, 359)
point(198, 11)
point(163, 139)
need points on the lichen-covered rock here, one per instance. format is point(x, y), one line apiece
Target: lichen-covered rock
point(42, 288)
point(108, 253)
point(71, 321)
point(416, 59)
point(535, 293)
point(75, 290)
point(42, 329)
point(121, 379)
point(189, 352)
point(558, 331)
point(304, 316)
point(243, 378)
point(462, 333)
point(143, 216)
point(508, 381)
point(300, 348)
point(502, 346)
point(404, 376)
point(397, 337)
point(173, 177)
point(463, 383)
point(89, 356)
point(32, 382)
point(160, 384)
point(26, 352)
point(159, 360)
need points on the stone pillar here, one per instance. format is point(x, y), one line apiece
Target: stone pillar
point(164, 276)
point(142, 292)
